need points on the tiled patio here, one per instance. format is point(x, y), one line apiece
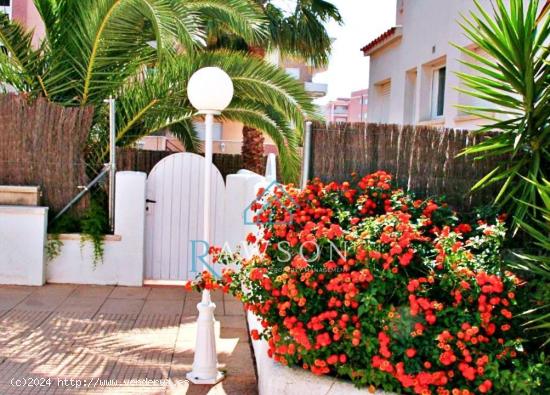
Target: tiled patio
point(107, 336)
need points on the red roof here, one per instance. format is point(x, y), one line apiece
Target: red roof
point(380, 39)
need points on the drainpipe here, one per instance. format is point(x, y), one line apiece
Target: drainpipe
point(306, 154)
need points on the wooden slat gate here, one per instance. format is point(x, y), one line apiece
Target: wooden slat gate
point(174, 219)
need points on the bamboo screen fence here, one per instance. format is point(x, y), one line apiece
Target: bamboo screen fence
point(42, 144)
point(422, 159)
point(144, 160)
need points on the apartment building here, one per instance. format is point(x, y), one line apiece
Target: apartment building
point(358, 106)
point(337, 111)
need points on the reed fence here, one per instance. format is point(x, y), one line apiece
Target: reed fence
point(422, 159)
point(42, 144)
point(144, 160)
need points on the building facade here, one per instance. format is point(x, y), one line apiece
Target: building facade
point(358, 106)
point(24, 12)
point(337, 111)
point(412, 76)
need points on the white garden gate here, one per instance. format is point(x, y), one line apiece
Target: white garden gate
point(174, 218)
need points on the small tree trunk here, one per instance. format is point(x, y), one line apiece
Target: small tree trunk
point(253, 140)
point(253, 150)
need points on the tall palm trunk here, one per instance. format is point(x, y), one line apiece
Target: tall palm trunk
point(252, 149)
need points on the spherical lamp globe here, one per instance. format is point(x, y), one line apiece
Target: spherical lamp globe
point(210, 89)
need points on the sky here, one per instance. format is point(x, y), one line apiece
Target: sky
point(348, 70)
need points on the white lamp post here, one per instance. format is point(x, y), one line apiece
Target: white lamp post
point(210, 91)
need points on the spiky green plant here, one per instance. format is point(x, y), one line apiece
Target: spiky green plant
point(513, 78)
point(537, 266)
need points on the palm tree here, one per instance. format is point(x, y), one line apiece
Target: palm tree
point(299, 34)
point(93, 50)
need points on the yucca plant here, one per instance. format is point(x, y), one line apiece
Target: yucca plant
point(513, 78)
point(143, 52)
point(537, 267)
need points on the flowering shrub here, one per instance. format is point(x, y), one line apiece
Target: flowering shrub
point(360, 280)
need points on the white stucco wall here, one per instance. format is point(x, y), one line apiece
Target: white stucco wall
point(240, 191)
point(123, 260)
point(22, 237)
point(428, 28)
point(277, 379)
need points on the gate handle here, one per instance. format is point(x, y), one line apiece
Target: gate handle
point(150, 201)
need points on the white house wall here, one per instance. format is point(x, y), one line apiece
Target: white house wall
point(428, 28)
point(123, 258)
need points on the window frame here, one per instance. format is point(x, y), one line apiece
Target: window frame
point(383, 92)
point(7, 9)
point(437, 96)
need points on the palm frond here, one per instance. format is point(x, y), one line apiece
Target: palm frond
point(243, 18)
point(265, 98)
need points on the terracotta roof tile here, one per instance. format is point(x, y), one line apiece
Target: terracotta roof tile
point(380, 39)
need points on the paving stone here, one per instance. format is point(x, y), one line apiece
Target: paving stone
point(113, 334)
point(162, 321)
point(234, 333)
point(129, 307)
point(158, 307)
point(11, 296)
point(37, 303)
point(190, 309)
point(80, 304)
point(167, 293)
point(48, 290)
point(234, 322)
point(15, 325)
point(133, 293)
point(233, 308)
point(93, 291)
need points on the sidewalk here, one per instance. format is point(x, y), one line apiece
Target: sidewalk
point(109, 340)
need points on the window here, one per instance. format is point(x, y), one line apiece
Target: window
point(438, 91)
point(340, 109)
point(5, 7)
point(216, 132)
point(294, 72)
point(383, 91)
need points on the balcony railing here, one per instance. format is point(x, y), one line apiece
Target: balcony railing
point(316, 89)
